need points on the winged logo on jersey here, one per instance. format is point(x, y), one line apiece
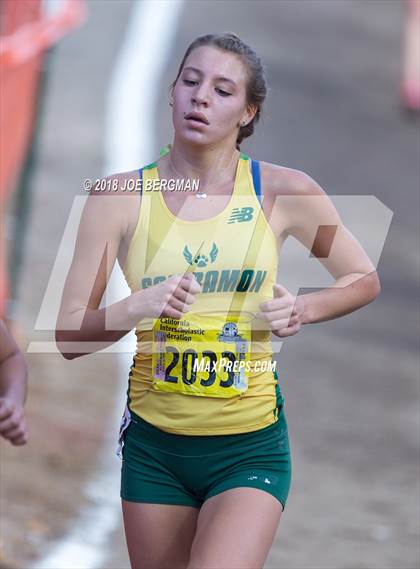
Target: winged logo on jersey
point(200, 259)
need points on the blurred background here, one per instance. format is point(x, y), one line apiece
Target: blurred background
point(84, 93)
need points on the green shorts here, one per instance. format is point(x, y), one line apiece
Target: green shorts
point(164, 468)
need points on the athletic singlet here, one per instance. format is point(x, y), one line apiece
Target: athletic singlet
point(198, 375)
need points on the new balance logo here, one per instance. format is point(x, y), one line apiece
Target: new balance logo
point(240, 214)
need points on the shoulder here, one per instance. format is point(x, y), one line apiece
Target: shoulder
point(298, 200)
point(118, 191)
point(279, 180)
point(112, 199)
point(121, 183)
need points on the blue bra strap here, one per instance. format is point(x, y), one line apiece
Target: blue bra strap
point(141, 179)
point(255, 167)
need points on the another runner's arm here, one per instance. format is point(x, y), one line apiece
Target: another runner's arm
point(13, 370)
point(13, 389)
point(314, 221)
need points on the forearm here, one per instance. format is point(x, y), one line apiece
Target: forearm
point(346, 295)
point(89, 330)
point(13, 378)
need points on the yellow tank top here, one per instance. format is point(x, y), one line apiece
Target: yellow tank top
point(211, 372)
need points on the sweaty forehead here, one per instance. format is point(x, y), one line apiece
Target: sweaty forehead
point(212, 61)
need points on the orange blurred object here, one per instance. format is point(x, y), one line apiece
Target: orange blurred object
point(26, 33)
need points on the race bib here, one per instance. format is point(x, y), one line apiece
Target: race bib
point(206, 355)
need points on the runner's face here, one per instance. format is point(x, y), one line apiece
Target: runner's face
point(213, 83)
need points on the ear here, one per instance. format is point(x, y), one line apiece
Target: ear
point(249, 114)
point(171, 97)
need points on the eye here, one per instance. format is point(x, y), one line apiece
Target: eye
point(189, 82)
point(223, 93)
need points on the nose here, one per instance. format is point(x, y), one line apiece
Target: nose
point(200, 95)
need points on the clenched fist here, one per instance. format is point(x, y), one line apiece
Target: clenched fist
point(12, 422)
point(170, 298)
point(284, 312)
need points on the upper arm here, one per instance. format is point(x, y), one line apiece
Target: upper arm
point(313, 219)
point(8, 346)
point(100, 231)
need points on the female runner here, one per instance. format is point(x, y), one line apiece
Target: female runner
point(206, 461)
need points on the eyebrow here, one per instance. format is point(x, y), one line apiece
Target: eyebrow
point(218, 78)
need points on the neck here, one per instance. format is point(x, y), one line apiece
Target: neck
point(212, 166)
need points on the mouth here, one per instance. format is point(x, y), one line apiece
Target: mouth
point(197, 118)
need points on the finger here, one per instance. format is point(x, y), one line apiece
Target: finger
point(285, 323)
point(6, 409)
point(15, 433)
point(8, 425)
point(176, 278)
point(294, 319)
point(275, 314)
point(275, 304)
point(169, 312)
point(21, 439)
point(187, 276)
point(280, 324)
point(290, 320)
point(178, 304)
point(179, 279)
point(289, 331)
point(186, 281)
point(190, 284)
point(172, 289)
point(184, 296)
point(279, 290)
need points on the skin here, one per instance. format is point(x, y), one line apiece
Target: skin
point(13, 386)
point(410, 72)
point(160, 535)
